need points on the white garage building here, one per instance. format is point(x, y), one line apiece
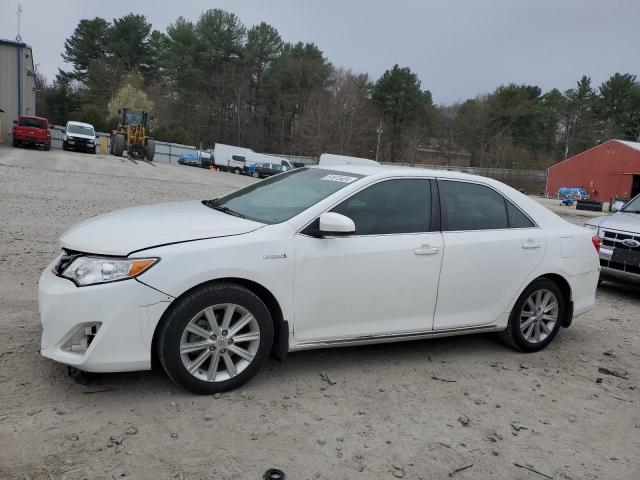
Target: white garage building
point(17, 84)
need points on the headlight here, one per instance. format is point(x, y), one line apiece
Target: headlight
point(93, 270)
point(65, 137)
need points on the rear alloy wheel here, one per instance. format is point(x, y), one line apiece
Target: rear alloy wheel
point(216, 338)
point(237, 171)
point(536, 317)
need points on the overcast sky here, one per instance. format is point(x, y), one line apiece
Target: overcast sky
point(458, 48)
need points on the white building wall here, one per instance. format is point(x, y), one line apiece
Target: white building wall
point(17, 85)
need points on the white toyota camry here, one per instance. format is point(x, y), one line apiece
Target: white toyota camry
point(312, 258)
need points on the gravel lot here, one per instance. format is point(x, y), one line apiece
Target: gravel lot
point(418, 410)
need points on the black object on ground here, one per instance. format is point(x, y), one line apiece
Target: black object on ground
point(590, 205)
point(274, 474)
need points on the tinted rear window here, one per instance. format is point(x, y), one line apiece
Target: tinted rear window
point(32, 122)
point(470, 206)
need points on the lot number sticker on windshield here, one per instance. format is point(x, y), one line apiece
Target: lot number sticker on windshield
point(338, 178)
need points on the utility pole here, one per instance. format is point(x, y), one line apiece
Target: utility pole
point(18, 37)
point(379, 131)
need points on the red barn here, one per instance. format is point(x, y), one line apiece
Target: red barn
point(608, 170)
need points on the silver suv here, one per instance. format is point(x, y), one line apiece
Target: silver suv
point(620, 241)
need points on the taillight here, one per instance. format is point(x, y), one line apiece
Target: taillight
point(597, 243)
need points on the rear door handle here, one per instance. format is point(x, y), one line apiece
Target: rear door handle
point(530, 245)
point(426, 250)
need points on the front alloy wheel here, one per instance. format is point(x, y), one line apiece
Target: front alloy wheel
point(536, 316)
point(219, 342)
point(215, 338)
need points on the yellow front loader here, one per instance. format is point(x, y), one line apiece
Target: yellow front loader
point(131, 135)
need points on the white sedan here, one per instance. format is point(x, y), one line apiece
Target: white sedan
point(316, 257)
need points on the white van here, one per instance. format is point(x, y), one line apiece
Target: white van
point(79, 136)
point(229, 158)
point(237, 159)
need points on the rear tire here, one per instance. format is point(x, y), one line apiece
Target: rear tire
point(16, 143)
point(118, 144)
point(206, 369)
point(47, 146)
point(536, 317)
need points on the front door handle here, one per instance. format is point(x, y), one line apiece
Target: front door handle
point(426, 250)
point(530, 245)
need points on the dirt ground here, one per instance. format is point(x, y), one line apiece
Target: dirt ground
point(418, 410)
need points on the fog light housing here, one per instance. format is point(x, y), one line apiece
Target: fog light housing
point(81, 337)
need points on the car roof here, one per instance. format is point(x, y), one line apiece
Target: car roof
point(81, 124)
point(540, 213)
point(400, 171)
point(33, 116)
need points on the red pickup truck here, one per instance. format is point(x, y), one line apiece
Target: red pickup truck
point(32, 131)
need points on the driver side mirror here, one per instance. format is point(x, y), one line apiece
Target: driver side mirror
point(617, 205)
point(334, 224)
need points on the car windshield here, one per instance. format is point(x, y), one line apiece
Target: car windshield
point(80, 129)
point(32, 122)
point(633, 206)
point(282, 197)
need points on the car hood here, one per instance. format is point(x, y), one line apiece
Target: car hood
point(122, 232)
point(80, 135)
point(626, 222)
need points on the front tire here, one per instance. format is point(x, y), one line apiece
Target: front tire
point(150, 150)
point(215, 338)
point(118, 144)
point(536, 317)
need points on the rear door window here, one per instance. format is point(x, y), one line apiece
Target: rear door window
point(470, 206)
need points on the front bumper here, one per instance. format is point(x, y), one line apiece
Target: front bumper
point(615, 270)
point(125, 314)
point(81, 146)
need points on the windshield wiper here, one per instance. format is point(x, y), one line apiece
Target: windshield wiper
point(226, 210)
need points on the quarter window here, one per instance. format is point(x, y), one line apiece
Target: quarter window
point(391, 206)
point(517, 219)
